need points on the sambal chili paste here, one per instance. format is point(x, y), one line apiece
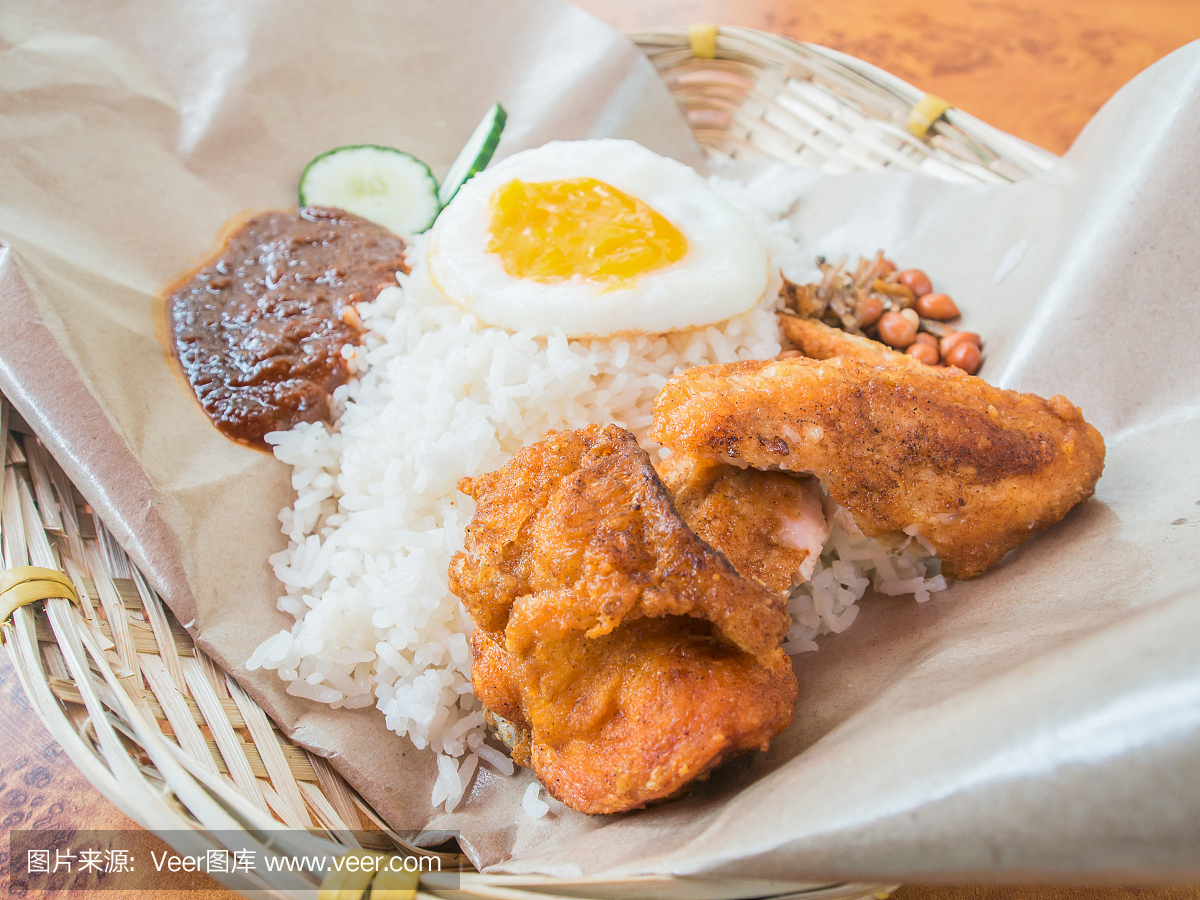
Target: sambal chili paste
point(260, 328)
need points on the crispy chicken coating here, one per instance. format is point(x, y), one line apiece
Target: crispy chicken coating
point(972, 468)
point(770, 524)
point(580, 521)
point(609, 724)
point(629, 655)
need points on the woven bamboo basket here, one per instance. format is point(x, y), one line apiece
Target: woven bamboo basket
point(176, 744)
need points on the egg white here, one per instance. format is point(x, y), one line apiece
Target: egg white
point(724, 272)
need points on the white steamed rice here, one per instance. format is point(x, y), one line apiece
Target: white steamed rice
point(377, 515)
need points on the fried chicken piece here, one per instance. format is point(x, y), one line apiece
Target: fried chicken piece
point(770, 524)
point(609, 724)
point(817, 340)
point(972, 468)
point(580, 519)
point(629, 656)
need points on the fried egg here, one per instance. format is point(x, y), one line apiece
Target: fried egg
point(595, 238)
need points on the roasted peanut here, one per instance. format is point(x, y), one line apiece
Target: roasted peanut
point(937, 306)
point(966, 356)
point(911, 315)
point(917, 281)
point(896, 331)
point(870, 308)
point(923, 338)
point(950, 341)
point(923, 352)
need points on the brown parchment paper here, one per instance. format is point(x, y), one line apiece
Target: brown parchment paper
point(1041, 722)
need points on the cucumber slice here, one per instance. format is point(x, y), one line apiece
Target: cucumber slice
point(477, 153)
point(382, 184)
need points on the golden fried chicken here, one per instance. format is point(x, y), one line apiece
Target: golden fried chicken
point(972, 468)
point(609, 724)
point(581, 520)
point(629, 655)
point(770, 524)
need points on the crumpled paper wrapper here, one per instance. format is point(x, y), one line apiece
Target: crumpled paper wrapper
point(1041, 722)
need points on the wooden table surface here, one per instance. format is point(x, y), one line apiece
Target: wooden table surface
point(1036, 68)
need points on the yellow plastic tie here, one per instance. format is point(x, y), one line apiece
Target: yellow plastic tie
point(389, 885)
point(352, 881)
point(703, 39)
point(925, 112)
point(23, 585)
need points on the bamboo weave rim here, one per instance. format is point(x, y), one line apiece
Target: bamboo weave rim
point(175, 743)
point(764, 95)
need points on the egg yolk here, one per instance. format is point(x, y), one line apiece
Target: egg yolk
point(550, 231)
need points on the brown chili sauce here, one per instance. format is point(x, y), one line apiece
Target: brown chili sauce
point(259, 329)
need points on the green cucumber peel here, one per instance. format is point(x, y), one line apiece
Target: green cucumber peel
point(475, 154)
